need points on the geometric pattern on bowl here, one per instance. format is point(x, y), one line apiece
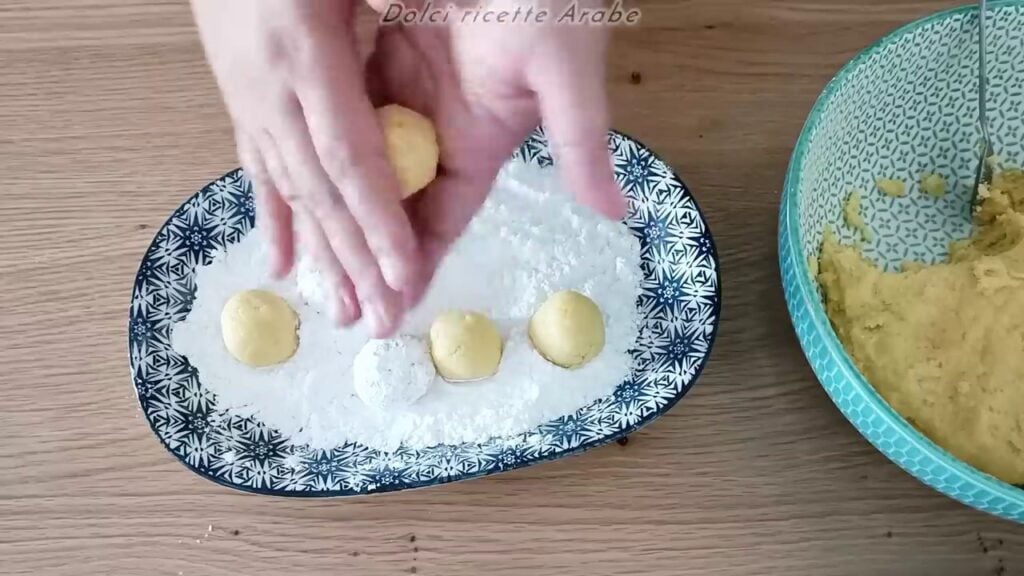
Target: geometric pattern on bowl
point(905, 106)
point(679, 305)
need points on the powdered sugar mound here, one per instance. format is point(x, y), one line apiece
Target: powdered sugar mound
point(529, 240)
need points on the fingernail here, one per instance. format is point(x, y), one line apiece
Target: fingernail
point(395, 274)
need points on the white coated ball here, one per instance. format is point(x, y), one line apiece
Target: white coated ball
point(393, 373)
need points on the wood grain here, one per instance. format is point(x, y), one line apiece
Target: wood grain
point(109, 118)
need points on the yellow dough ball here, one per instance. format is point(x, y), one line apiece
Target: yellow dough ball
point(568, 329)
point(412, 146)
point(259, 328)
point(465, 346)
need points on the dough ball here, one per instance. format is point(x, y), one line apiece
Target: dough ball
point(412, 146)
point(259, 328)
point(568, 329)
point(465, 346)
point(394, 373)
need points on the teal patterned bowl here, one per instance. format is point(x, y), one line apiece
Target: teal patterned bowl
point(905, 106)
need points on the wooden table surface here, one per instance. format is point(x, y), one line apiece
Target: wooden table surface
point(109, 118)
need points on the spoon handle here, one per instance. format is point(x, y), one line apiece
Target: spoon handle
point(983, 72)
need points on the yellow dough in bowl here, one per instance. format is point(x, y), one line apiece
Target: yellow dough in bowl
point(259, 328)
point(412, 146)
point(944, 344)
point(568, 329)
point(465, 346)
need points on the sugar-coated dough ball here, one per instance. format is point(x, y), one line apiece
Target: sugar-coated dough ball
point(259, 328)
point(412, 146)
point(465, 346)
point(568, 329)
point(393, 373)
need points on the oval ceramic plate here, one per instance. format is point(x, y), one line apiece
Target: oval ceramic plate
point(680, 303)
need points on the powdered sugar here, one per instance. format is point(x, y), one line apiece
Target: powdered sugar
point(528, 241)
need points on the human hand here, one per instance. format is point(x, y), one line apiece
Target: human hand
point(486, 87)
point(308, 139)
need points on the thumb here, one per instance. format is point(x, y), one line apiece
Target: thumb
point(574, 111)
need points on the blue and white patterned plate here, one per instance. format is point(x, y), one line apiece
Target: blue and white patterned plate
point(905, 106)
point(680, 305)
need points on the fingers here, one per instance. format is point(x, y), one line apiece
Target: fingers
point(318, 195)
point(574, 109)
point(351, 148)
point(379, 304)
point(343, 306)
point(271, 210)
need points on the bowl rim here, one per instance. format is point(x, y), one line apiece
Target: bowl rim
point(792, 243)
point(626, 431)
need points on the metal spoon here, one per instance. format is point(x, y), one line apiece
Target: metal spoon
point(983, 174)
